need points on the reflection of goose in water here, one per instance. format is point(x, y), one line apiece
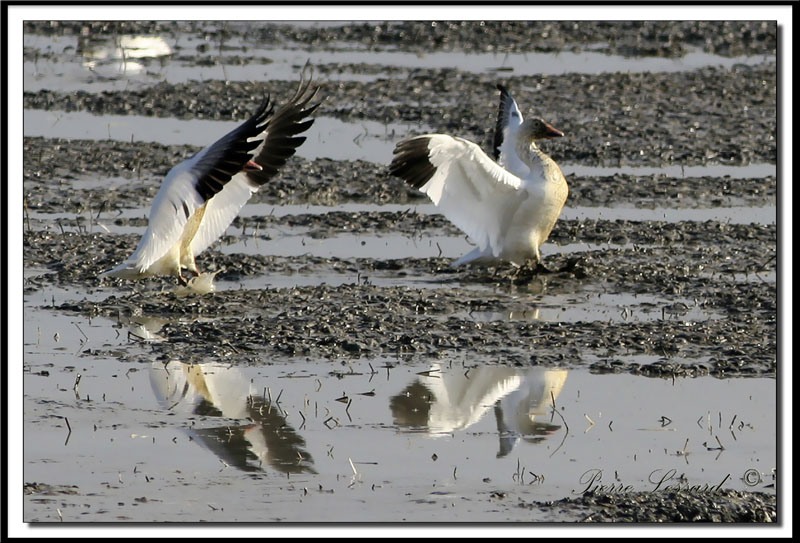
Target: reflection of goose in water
point(212, 390)
point(449, 400)
point(525, 412)
point(111, 57)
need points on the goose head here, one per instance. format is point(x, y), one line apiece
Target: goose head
point(535, 129)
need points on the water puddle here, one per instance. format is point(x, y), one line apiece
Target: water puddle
point(745, 171)
point(92, 182)
point(293, 244)
point(588, 306)
point(733, 215)
point(370, 141)
point(368, 440)
point(73, 63)
point(730, 215)
point(338, 140)
point(334, 279)
point(531, 63)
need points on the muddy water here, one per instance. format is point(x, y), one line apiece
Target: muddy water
point(335, 139)
point(367, 440)
point(116, 64)
point(342, 372)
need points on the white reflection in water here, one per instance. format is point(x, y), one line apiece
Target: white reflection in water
point(144, 328)
point(260, 438)
point(483, 422)
point(112, 57)
point(442, 402)
point(92, 63)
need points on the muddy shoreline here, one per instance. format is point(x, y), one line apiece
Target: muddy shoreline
point(327, 182)
point(669, 506)
point(708, 116)
point(646, 38)
point(608, 122)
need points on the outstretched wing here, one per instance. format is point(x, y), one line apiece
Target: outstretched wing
point(509, 119)
point(281, 138)
point(279, 142)
point(218, 176)
point(188, 186)
point(469, 188)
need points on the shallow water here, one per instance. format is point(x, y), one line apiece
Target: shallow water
point(275, 441)
point(111, 64)
point(335, 139)
point(589, 306)
point(732, 215)
point(332, 138)
point(677, 171)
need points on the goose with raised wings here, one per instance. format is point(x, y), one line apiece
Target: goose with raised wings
point(508, 203)
point(200, 197)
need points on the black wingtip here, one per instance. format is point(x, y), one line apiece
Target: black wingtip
point(264, 111)
point(282, 128)
point(411, 162)
point(502, 113)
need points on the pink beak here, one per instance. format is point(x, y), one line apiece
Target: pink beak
point(552, 132)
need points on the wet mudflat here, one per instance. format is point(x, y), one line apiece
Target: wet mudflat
point(343, 371)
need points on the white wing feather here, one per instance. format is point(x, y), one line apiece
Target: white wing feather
point(176, 200)
point(472, 190)
point(221, 210)
point(218, 178)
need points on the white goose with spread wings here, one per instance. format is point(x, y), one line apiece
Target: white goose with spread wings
point(508, 207)
point(202, 195)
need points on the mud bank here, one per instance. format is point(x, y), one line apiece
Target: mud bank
point(49, 182)
point(608, 121)
point(671, 506)
point(649, 38)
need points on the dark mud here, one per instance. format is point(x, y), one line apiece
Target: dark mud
point(706, 116)
point(362, 320)
point(48, 181)
point(669, 506)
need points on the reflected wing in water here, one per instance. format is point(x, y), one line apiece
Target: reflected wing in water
point(263, 438)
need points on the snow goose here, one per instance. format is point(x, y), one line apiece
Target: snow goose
point(507, 206)
point(202, 195)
